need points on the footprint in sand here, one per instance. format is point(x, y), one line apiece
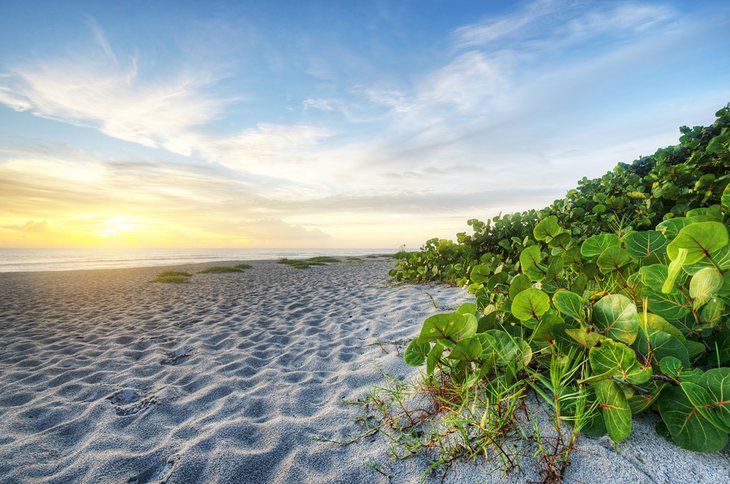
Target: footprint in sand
point(157, 474)
point(129, 402)
point(175, 357)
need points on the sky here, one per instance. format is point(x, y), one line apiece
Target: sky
point(291, 124)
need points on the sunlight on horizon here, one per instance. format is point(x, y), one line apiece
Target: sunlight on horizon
point(334, 125)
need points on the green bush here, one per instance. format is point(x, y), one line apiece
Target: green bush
point(632, 197)
point(645, 310)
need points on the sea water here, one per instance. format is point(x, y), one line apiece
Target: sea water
point(31, 260)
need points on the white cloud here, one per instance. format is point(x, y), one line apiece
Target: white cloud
point(491, 30)
point(320, 104)
point(97, 91)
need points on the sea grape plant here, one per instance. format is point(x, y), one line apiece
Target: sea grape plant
point(646, 310)
point(632, 197)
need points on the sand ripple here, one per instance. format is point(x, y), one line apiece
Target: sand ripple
point(107, 378)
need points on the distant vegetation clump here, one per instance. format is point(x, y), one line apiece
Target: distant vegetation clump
point(611, 301)
point(307, 263)
point(175, 277)
point(225, 269)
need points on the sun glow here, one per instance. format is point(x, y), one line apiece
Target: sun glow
point(116, 226)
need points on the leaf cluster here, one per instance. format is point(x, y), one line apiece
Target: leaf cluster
point(645, 311)
point(632, 197)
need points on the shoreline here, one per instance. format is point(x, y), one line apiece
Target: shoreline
point(52, 260)
point(232, 377)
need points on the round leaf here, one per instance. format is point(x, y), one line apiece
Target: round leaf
point(704, 285)
point(467, 350)
point(615, 315)
point(445, 326)
point(614, 408)
point(416, 352)
point(717, 383)
point(530, 261)
point(616, 360)
point(688, 428)
point(480, 273)
point(593, 246)
point(644, 244)
point(547, 228)
point(570, 304)
point(699, 239)
point(530, 303)
point(612, 259)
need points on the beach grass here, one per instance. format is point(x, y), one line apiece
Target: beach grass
point(175, 277)
point(225, 269)
point(307, 263)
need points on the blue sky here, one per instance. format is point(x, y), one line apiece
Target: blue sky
point(332, 123)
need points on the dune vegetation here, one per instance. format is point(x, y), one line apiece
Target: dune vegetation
point(175, 277)
point(609, 302)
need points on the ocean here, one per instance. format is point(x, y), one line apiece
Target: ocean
point(33, 260)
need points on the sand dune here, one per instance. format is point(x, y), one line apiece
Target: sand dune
point(108, 378)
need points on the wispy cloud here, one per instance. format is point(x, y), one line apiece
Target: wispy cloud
point(507, 115)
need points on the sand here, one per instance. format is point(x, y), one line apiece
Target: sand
point(105, 377)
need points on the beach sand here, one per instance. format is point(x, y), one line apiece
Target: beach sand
point(106, 377)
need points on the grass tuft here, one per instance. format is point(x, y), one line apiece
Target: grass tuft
point(225, 269)
point(307, 263)
point(175, 277)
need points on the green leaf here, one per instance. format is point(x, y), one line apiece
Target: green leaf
point(599, 208)
point(506, 349)
point(616, 360)
point(612, 259)
point(561, 243)
point(585, 338)
point(531, 262)
point(688, 428)
point(467, 308)
point(700, 239)
point(541, 332)
point(547, 228)
point(570, 304)
point(614, 408)
point(615, 315)
point(644, 244)
point(717, 383)
point(530, 303)
point(416, 353)
point(466, 350)
point(519, 283)
point(594, 246)
point(447, 326)
point(671, 227)
point(671, 366)
point(660, 345)
point(654, 322)
point(480, 273)
point(641, 401)
point(720, 258)
point(725, 200)
point(712, 213)
point(673, 306)
point(673, 271)
point(654, 276)
point(704, 285)
point(433, 357)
